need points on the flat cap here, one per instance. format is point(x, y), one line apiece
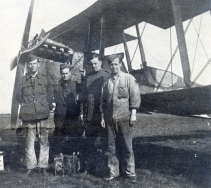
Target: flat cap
point(64, 66)
point(114, 56)
point(93, 56)
point(32, 58)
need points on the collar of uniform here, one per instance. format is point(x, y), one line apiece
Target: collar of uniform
point(97, 72)
point(63, 81)
point(28, 76)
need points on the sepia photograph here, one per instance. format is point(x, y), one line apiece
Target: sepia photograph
point(105, 93)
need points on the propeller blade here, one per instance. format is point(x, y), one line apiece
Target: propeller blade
point(20, 68)
point(25, 39)
point(22, 58)
point(13, 63)
point(16, 90)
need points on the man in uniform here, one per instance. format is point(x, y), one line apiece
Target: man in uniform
point(35, 97)
point(67, 108)
point(91, 99)
point(120, 99)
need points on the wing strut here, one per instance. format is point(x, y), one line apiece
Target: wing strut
point(172, 57)
point(102, 36)
point(127, 53)
point(143, 58)
point(87, 45)
point(181, 42)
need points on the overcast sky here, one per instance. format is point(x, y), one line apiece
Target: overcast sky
point(48, 14)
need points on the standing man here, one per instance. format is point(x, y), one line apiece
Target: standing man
point(91, 99)
point(67, 108)
point(120, 100)
point(92, 96)
point(35, 97)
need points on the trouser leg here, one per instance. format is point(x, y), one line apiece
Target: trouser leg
point(113, 162)
point(89, 148)
point(58, 144)
point(125, 137)
point(31, 160)
point(101, 138)
point(88, 154)
point(44, 149)
point(59, 125)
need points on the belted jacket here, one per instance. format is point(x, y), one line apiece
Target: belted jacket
point(35, 97)
point(119, 96)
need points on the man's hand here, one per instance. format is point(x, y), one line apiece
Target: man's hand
point(52, 106)
point(81, 118)
point(132, 117)
point(103, 122)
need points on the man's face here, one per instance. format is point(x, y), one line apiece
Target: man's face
point(65, 74)
point(115, 66)
point(96, 64)
point(33, 66)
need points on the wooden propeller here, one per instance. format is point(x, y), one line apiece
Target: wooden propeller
point(20, 61)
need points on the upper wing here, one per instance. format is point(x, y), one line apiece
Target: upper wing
point(74, 33)
point(120, 15)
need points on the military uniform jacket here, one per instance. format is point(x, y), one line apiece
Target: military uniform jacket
point(92, 94)
point(35, 97)
point(65, 96)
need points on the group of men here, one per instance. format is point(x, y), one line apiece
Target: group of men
point(105, 103)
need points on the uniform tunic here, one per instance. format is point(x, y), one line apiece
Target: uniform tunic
point(35, 97)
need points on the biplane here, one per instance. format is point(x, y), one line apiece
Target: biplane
point(102, 25)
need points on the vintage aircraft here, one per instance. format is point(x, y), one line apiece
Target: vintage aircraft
point(102, 25)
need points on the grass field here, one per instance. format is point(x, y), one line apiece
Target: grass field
point(170, 151)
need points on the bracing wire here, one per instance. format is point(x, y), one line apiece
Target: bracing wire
point(208, 62)
point(175, 51)
point(200, 41)
point(197, 7)
point(196, 46)
point(151, 55)
point(171, 56)
point(90, 48)
point(137, 43)
point(134, 53)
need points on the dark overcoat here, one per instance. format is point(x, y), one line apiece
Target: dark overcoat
point(92, 94)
